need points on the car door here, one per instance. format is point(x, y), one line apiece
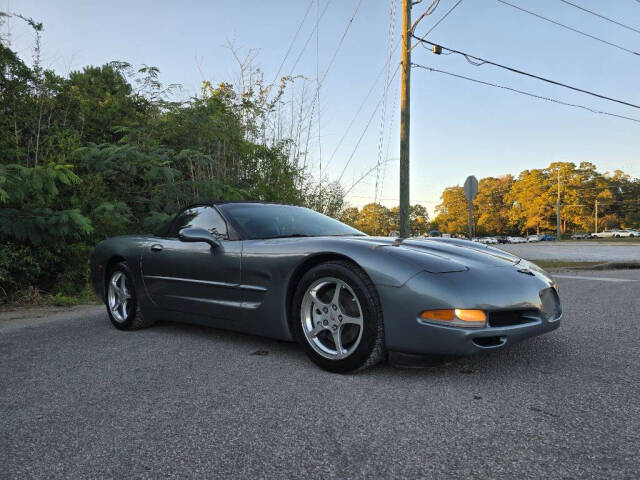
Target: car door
point(194, 277)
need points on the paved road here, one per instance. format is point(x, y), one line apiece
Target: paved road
point(79, 399)
point(587, 251)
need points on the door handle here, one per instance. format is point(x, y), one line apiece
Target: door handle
point(156, 247)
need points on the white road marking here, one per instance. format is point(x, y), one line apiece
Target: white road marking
point(599, 279)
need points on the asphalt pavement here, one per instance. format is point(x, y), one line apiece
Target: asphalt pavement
point(80, 399)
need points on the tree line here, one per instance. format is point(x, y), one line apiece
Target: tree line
point(527, 204)
point(522, 205)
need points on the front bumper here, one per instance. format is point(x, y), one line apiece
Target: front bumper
point(493, 290)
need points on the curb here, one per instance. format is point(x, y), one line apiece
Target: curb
point(607, 266)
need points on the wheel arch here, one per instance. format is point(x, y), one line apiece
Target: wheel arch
point(109, 264)
point(304, 267)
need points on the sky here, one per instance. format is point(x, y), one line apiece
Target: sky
point(458, 128)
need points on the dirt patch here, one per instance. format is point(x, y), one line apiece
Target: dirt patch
point(32, 312)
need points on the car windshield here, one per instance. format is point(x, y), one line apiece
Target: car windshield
point(262, 221)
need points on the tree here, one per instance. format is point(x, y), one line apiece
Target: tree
point(451, 213)
point(491, 209)
point(532, 202)
point(374, 219)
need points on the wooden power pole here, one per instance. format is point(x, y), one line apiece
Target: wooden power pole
point(558, 224)
point(405, 101)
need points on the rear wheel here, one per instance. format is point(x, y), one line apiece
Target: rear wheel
point(122, 302)
point(338, 318)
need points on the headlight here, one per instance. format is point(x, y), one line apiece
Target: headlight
point(457, 317)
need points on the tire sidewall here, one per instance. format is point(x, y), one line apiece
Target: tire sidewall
point(368, 302)
point(124, 268)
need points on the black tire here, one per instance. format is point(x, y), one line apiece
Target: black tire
point(135, 319)
point(371, 349)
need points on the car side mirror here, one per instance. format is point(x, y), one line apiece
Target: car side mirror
point(198, 235)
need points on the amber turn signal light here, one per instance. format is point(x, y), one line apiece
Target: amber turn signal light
point(442, 315)
point(456, 317)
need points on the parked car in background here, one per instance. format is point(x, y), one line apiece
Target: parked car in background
point(501, 238)
point(606, 233)
point(580, 236)
point(534, 238)
point(516, 240)
point(434, 233)
point(626, 233)
point(488, 240)
point(547, 238)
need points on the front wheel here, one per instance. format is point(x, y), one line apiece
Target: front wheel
point(338, 317)
point(122, 301)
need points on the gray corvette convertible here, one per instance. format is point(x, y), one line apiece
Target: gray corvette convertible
point(293, 274)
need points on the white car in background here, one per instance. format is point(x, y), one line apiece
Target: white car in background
point(516, 240)
point(606, 233)
point(488, 240)
point(534, 238)
point(627, 233)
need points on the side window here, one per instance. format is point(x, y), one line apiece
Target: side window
point(200, 217)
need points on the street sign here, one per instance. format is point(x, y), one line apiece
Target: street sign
point(470, 191)
point(471, 187)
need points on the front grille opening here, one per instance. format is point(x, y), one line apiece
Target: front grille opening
point(509, 318)
point(487, 342)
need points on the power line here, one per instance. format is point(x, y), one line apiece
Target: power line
point(318, 81)
point(366, 127)
point(366, 197)
point(362, 104)
point(429, 10)
point(440, 21)
point(601, 16)
point(344, 34)
point(570, 28)
point(390, 50)
point(540, 97)
point(482, 61)
point(309, 39)
point(293, 41)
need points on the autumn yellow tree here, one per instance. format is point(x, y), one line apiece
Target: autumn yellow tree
point(374, 219)
point(451, 213)
point(491, 208)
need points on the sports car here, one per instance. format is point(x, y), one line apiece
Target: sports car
point(293, 274)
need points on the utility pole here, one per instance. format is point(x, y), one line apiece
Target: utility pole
point(405, 228)
point(596, 219)
point(558, 224)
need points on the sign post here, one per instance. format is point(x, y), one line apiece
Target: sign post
point(470, 191)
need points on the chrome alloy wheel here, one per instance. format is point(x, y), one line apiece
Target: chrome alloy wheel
point(119, 297)
point(331, 318)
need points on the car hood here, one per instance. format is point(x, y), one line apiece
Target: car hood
point(442, 255)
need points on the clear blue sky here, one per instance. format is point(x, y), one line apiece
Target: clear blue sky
point(458, 128)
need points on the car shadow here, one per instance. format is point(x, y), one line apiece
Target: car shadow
point(540, 355)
